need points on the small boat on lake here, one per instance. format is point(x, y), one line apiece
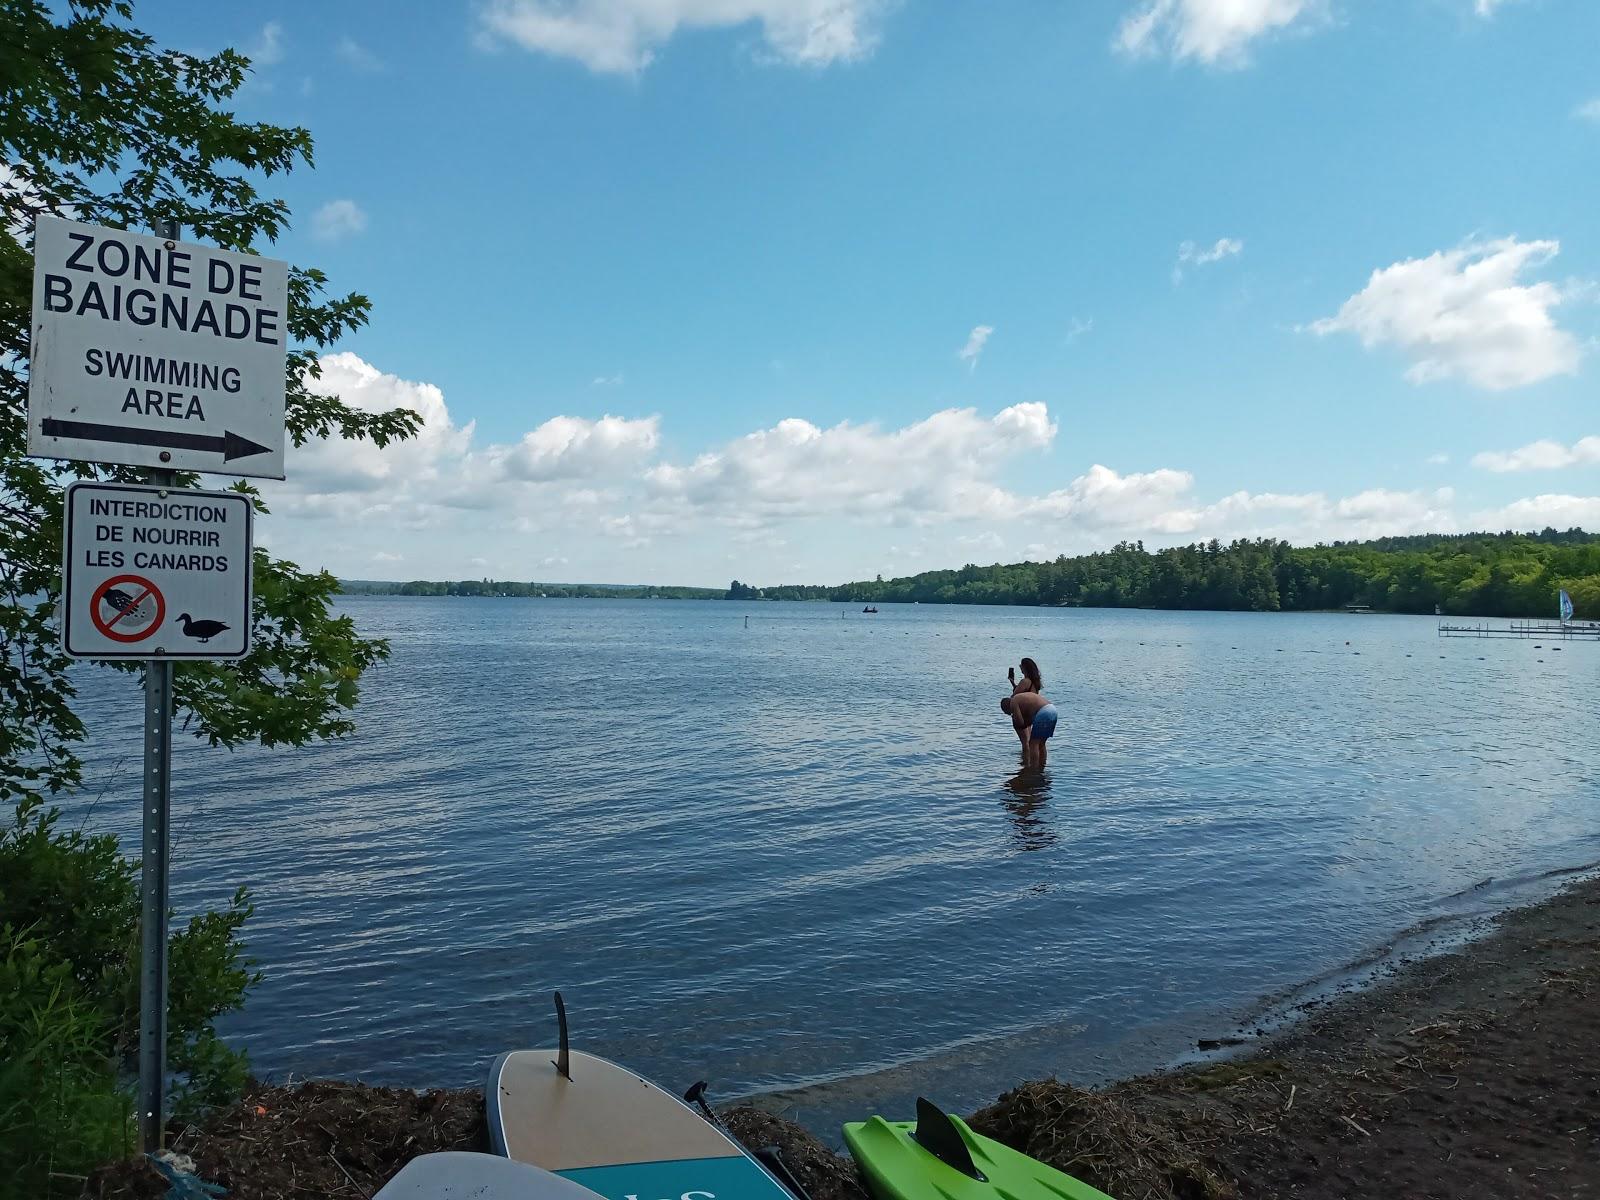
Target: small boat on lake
point(869, 609)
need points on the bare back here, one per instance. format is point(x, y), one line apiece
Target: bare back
point(1025, 707)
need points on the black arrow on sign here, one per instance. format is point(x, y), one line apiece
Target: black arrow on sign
point(229, 445)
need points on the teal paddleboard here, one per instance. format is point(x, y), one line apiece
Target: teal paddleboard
point(614, 1132)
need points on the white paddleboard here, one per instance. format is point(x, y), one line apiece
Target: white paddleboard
point(463, 1175)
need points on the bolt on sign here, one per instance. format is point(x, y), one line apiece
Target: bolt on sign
point(156, 572)
point(155, 353)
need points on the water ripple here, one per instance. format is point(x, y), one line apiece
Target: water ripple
point(803, 851)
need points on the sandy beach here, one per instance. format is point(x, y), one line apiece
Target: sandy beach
point(1455, 1073)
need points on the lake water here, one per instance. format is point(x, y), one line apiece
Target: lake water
point(800, 855)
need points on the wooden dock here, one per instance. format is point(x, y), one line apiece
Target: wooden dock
point(1555, 631)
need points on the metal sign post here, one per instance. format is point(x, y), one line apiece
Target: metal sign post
point(155, 863)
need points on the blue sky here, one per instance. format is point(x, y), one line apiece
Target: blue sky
point(1247, 267)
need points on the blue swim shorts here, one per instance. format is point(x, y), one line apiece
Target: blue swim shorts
point(1044, 723)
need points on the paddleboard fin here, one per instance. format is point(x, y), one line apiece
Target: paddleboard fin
point(563, 1062)
point(937, 1134)
point(696, 1095)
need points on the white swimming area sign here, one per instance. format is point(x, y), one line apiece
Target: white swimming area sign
point(156, 353)
point(154, 572)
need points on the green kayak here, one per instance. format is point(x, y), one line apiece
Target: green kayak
point(938, 1157)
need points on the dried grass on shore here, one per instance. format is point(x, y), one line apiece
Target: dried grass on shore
point(824, 1174)
point(321, 1138)
point(1095, 1137)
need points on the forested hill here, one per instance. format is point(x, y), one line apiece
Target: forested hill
point(1481, 574)
point(502, 587)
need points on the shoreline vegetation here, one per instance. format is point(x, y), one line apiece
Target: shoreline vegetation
point(1473, 574)
point(1466, 1071)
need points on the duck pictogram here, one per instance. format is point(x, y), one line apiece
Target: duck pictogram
point(202, 631)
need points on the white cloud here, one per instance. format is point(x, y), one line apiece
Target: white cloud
point(936, 468)
point(1438, 460)
point(1191, 255)
point(1380, 511)
point(1543, 455)
point(267, 49)
point(1589, 110)
point(1102, 504)
point(564, 465)
point(973, 350)
point(1313, 516)
point(988, 542)
point(1463, 314)
point(1539, 512)
point(1103, 499)
point(1215, 32)
point(357, 475)
point(623, 36)
point(1485, 8)
point(566, 448)
point(601, 499)
point(338, 219)
point(357, 55)
point(607, 380)
point(1077, 327)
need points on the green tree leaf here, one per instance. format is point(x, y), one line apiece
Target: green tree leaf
point(98, 121)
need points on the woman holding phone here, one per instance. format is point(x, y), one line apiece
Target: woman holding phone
point(1030, 681)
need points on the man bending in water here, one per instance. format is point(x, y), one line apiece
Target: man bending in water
point(1034, 719)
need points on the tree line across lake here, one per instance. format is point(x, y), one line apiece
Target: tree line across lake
point(503, 587)
point(1476, 574)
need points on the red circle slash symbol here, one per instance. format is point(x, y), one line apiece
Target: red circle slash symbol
point(127, 608)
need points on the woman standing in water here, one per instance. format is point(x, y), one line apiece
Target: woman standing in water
point(1030, 681)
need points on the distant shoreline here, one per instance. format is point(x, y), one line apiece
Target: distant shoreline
point(1459, 575)
point(623, 593)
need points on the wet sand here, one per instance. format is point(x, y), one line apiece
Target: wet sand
point(1472, 1072)
point(1475, 1071)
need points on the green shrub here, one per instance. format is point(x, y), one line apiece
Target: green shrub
point(69, 1002)
point(209, 975)
point(77, 894)
point(63, 1107)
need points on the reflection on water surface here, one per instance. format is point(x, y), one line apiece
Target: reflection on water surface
point(823, 879)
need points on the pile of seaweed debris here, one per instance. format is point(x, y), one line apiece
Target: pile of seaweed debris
point(1098, 1138)
point(823, 1174)
point(321, 1138)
